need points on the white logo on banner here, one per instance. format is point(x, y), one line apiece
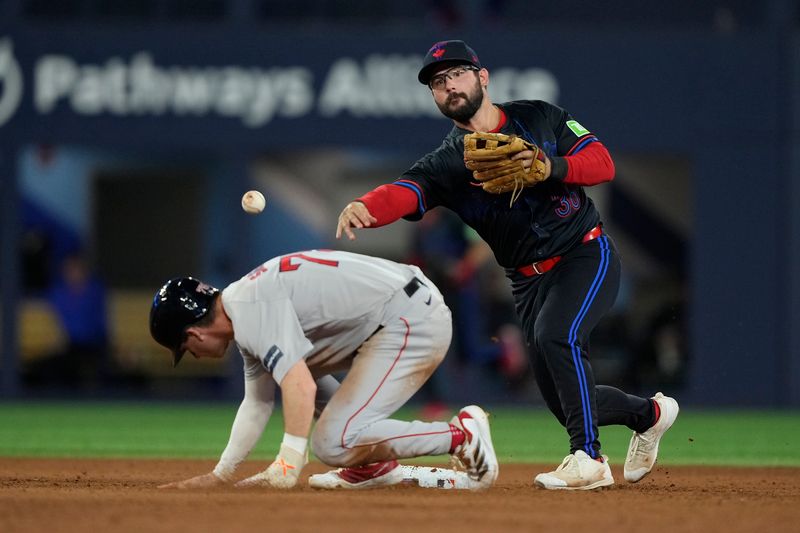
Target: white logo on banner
point(387, 86)
point(140, 87)
point(10, 81)
point(379, 86)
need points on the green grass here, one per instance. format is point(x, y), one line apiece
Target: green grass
point(739, 438)
point(200, 431)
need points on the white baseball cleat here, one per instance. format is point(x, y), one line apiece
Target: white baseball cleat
point(577, 471)
point(371, 476)
point(476, 454)
point(643, 448)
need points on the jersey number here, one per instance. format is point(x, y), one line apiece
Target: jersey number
point(568, 203)
point(287, 264)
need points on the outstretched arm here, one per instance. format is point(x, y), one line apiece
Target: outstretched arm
point(251, 419)
point(298, 391)
point(354, 215)
point(377, 208)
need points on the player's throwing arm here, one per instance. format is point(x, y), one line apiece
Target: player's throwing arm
point(354, 215)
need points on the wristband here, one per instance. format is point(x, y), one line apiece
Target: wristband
point(299, 444)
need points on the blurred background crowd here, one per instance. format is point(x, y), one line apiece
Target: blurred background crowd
point(129, 129)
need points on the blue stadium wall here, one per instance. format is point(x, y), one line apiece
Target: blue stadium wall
point(727, 102)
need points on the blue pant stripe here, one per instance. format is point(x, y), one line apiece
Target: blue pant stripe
point(573, 336)
point(584, 399)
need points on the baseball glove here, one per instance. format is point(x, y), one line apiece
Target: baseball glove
point(489, 157)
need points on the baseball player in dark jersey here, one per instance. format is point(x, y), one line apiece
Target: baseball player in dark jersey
point(563, 268)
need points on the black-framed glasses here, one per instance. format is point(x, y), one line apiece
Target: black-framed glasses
point(438, 82)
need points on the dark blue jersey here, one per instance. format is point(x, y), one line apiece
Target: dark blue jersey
point(547, 220)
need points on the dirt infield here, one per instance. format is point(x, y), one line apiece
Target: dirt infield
point(121, 495)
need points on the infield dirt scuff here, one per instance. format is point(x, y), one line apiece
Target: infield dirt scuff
point(78, 495)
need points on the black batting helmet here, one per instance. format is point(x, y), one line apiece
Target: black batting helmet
point(177, 305)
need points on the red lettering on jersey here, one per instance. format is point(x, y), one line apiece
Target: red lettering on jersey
point(287, 265)
point(260, 269)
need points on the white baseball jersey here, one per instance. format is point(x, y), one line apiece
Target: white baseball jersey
point(328, 307)
point(318, 305)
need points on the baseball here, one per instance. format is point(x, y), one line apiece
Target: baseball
point(253, 202)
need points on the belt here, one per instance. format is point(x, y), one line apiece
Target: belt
point(412, 286)
point(540, 267)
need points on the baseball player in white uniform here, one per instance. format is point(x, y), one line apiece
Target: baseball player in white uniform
point(300, 317)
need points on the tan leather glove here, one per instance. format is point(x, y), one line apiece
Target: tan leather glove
point(489, 157)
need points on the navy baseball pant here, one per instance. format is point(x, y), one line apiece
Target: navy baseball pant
point(558, 311)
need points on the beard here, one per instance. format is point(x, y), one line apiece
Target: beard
point(464, 112)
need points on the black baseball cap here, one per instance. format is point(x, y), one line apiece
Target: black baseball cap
point(452, 52)
point(177, 305)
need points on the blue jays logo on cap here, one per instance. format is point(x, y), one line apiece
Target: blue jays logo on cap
point(436, 50)
point(452, 52)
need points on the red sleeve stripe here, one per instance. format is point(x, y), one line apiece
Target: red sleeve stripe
point(415, 188)
point(581, 144)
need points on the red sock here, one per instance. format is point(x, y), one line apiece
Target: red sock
point(656, 412)
point(362, 473)
point(457, 438)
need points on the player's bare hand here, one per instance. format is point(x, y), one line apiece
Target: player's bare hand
point(354, 215)
point(205, 481)
point(526, 156)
